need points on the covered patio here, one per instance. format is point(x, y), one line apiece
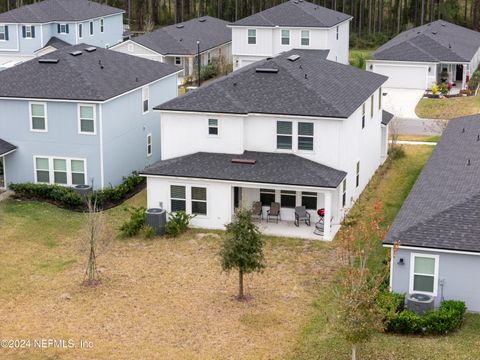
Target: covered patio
point(457, 74)
point(5, 149)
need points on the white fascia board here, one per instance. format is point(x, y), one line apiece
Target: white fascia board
point(289, 27)
point(433, 250)
point(8, 152)
point(401, 62)
point(136, 43)
point(62, 21)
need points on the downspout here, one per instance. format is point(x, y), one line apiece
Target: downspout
point(100, 130)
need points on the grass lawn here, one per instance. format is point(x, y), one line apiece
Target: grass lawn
point(160, 299)
point(448, 108)
point(434, 138)
point(319, 341)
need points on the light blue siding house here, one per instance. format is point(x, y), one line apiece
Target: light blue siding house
point(435, 238)
point(81, 115)
point(27, 31)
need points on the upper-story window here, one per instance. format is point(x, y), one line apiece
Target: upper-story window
point(305, 136)
point(28, 31)
point(337, 32)
point(380, 99)
point(38, 117)
point(285, 37)
point(363, 115)
point(305, 37)
point(86, 119)
point(252, 36)
point(145, 98)
point(3, 33)
point(357, 175)
point(178, 59)
point(149, 145)
point(80, 30)
point(372, 106)
point(102, 25)
point(284, 135)
point(62, 28)
point(344, 192)
point(91, 27)
point(213, 127)
point(130, 47)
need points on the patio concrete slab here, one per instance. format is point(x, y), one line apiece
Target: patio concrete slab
point(288, 229)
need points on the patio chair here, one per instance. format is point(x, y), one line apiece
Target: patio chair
point(274, 212)
point(301, 214)
point(257, 212)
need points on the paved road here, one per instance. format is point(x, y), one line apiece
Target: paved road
point(409, 126)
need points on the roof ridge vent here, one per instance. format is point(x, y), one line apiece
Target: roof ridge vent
point(244, 161)
point(478, 137)
point(469, 162)
point(180, 26)
point(434, 32)
point(293, 57)
point(266, 70)
point(202, 19)
point(48, 61)
point(90, 49)
point(76, 53)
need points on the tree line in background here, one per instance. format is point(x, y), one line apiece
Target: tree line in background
point(374, 21)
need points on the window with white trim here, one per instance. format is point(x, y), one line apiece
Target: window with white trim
point(380, 99)
point(149, 145)
point(60, 171)
point(80, 31)
point(267, 196)
point(38, 116)
point(252, 36)
point(372, 106)
point(337, 32)
point(91, 27)
point(288, 199)
point(28, 32)
point(309, 200)
point(424, 273)
point(305, 136)
point(285, 37)
point(62, 28)
point(86, 119)
point(178, 198)
point(305, 38)
point(145, 98)
point(284, 135)
point(102, 25)
point(357, 175)
point(363, 115)
point(213, 127)
point(199, 200)
point(3, 33)
point(178, 60)
point(344, 192)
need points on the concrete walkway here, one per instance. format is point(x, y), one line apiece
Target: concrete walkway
point(406, 142)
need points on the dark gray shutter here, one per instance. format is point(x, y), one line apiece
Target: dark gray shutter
point(6, 32)
point(33, 31)
point(67, 28)
point(23, 31)
point(58, 28)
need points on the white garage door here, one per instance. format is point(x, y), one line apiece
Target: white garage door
point(403, 76)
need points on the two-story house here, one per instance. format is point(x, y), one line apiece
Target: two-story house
point(294, 24)
point(296, 129)
point(182, 43)
point(81, 115)
point(27, 29)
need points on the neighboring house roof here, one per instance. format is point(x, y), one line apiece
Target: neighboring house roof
point(6, 147)
point(58, 10)
point(386, 117)
point(308, 86)
point(433, 42)
point(56, 43)
point(97, 76)
point(271, 168)
point(181, 38)
point(295, 13)
point(443, 209)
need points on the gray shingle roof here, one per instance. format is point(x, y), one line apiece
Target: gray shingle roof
point(97, 76)
point(181, 39)
point(295, 13)
point(56, 43)
point(58, 10)
point(271, 168)
point(386, 117)
point(443, 209)
point(433, 42)
point(6, 147)
point(309, 86)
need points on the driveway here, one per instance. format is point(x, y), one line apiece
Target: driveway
point(402, 103)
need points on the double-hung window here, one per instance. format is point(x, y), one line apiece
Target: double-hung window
point(287, 199)
point(337, 32)
point(213, 127)
point(178, 60)
point(28, 32)
point(284, 135)
point(305, 136)
point(372, 106)
point(357, 175)
point(252, 36)
point(102, 25)
point(380, 99)
point(91, 27)
point(80, 31)
point(267, 196)
point(38, 117)
point(285, 37)
point(305, 38)
point(42, 170)
point(199, 201)
point(424, 273)
point(62, 28)
point(149, 145)
point(177, 198)
point(86, 119)
point(3, 33)
point(363, 115)
point(78, 172)
point(309, 200)
point(344, 192)
point(145, 98)
point(60, 171)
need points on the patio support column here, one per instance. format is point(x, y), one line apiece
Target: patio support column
point(328, 215)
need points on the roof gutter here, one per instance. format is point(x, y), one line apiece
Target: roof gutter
point(441, 250)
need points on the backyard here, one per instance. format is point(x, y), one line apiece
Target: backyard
point(448, 108)
point(167, 298)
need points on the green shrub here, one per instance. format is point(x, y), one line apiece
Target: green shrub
point(390, 304)
point(62, 195)
point(178, 223)
point(118, 193)
point(134, 225)
point(148, 232)
point(396, 152)
point(406, 322)
point(208, 71)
